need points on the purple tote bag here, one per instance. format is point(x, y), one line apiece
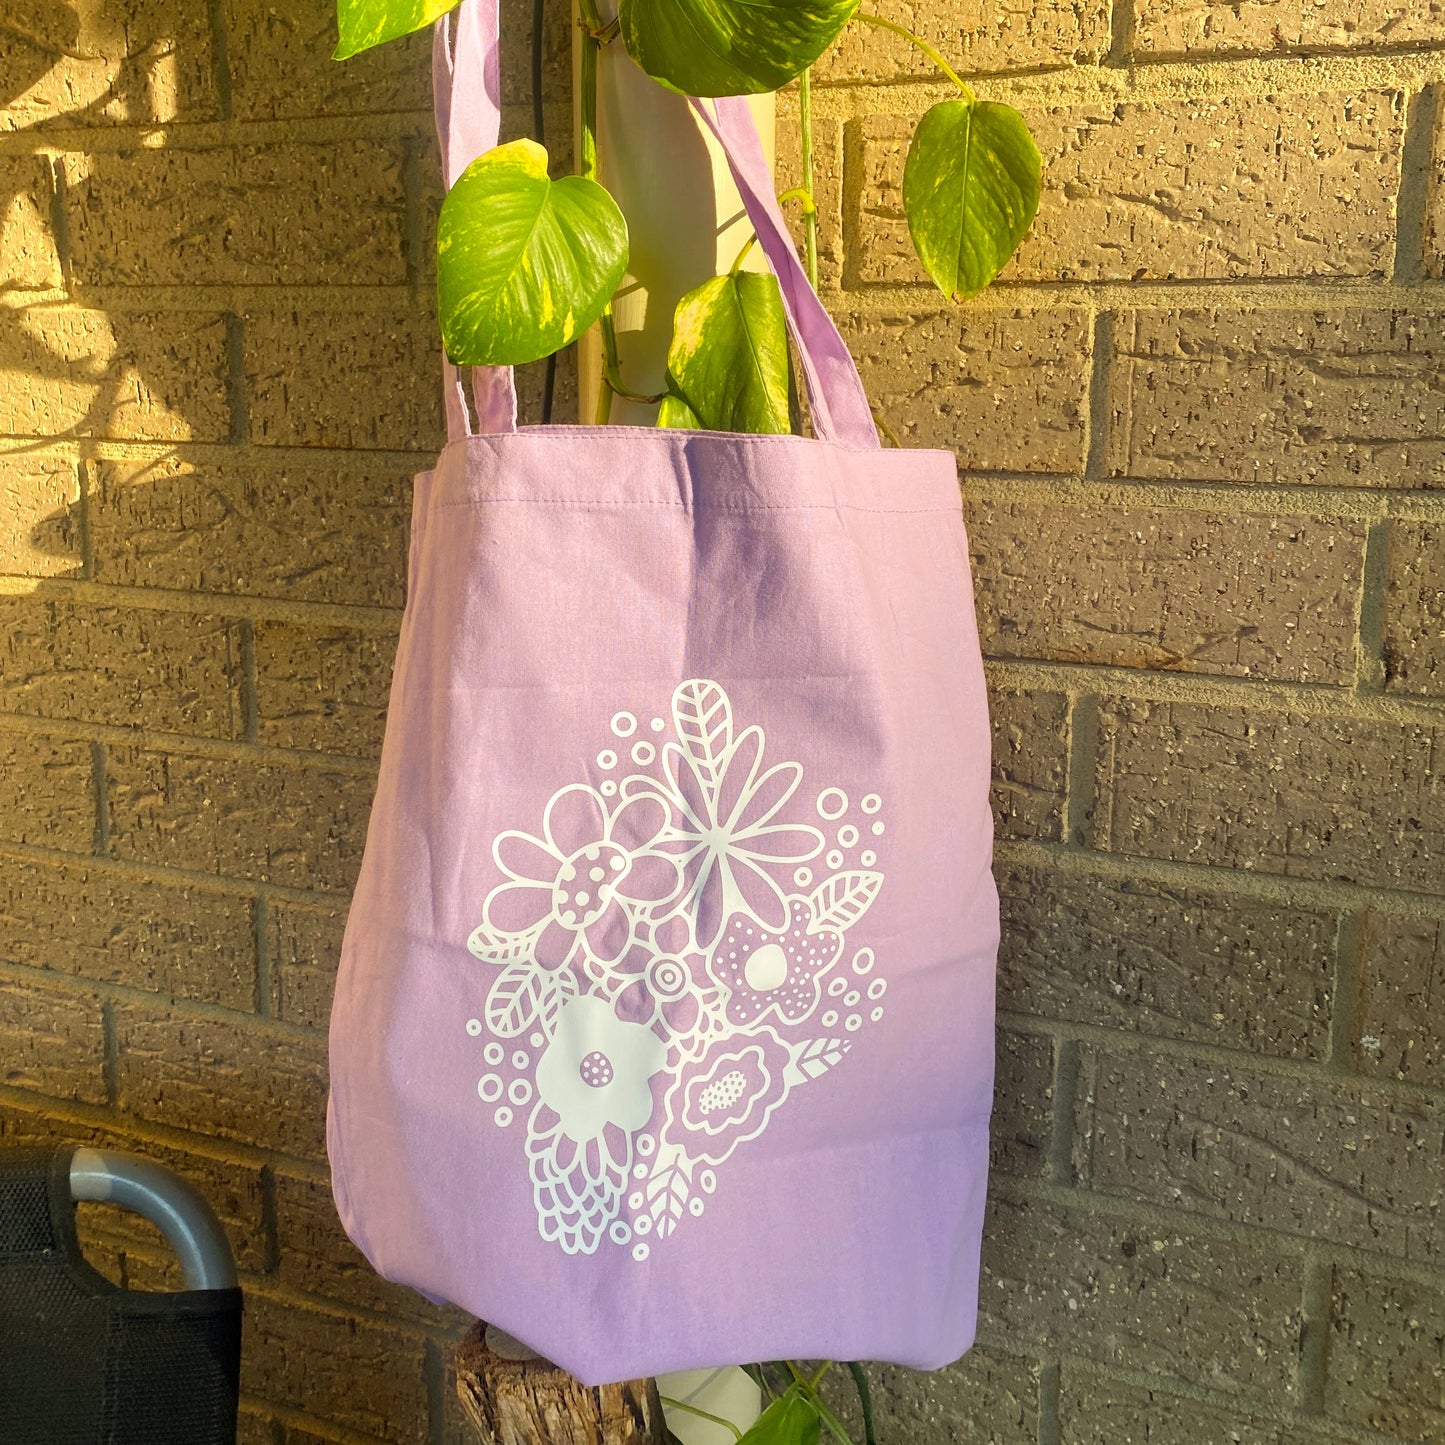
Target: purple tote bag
point(663, 1035)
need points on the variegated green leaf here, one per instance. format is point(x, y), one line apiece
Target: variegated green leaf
point(970, 190)
point(729, 47)
point(364, 23)
point(525, 264)
point(728, 361)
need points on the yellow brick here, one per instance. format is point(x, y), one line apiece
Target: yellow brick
point(1344, 397)
point(39, 515)
point(143, 375)
point(139, 63)
point(1005, 390)
point(28, 257)
point(1263, 27)
point(1231, 187)
point(973, 36)
point(311, 534)
point(274, 215)
point(177, 671)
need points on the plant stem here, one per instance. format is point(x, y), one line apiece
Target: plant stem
point(865, 1399)
point(918, 43)
point(742, 255)
point(591, 48)
point(701, 1414)
point(810, 208)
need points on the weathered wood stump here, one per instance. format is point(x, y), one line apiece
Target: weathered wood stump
point(514, 1397)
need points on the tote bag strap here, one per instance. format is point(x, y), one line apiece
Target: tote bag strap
point(466, 94)
point(466, 81)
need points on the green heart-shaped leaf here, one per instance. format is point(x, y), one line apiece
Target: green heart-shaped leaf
point(791, 1420)
point(729, 47)
point(970, 190)
point(525, 264)
point(364, 23)
point(728, 361)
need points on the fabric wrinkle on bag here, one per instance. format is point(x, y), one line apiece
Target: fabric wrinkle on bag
point(663, 1032)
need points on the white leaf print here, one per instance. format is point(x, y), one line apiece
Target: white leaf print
point(843, 899)
point(525, 993)
point(493, 946)
point(668, 1190)
point(816, 1058)
point(704, 720)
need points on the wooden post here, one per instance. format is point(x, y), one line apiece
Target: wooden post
point(512, 1396)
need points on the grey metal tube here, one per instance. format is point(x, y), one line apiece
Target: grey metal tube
point(174, 1206)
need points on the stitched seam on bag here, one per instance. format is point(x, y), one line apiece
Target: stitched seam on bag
point(707, 506)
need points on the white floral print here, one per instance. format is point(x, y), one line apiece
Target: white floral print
point(598, 1070)
point(666, 969)
point(587, 877)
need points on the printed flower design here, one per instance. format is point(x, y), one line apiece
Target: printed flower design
point(725, 833)
point(684, 951)
point(587, 877)
point(726, 1097)
point(598, 1069)
point(767, 972)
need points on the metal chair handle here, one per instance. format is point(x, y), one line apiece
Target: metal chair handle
point(174, 1206)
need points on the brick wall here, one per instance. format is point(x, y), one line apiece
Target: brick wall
point(1201, 421)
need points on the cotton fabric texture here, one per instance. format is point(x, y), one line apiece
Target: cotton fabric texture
point(663, 1034)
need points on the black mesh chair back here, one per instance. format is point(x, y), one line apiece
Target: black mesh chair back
point(85, 1362)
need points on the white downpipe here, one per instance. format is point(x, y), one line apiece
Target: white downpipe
point(685, 222)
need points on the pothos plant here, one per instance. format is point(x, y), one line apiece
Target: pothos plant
point(526, 264)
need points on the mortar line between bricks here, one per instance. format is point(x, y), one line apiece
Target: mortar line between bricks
point(261, 946)
point(220, 57)
point(1067, 1055)
point(1363, 504)
point(110, 1061)
point(1049, 1393)
point(178, 1005)
point(360, 617)
point(870, 300)
point(250, 705)
point(414, 1328)
point(270, 1222)
point(60, 222)
point(1252, 1406)
point(236, 379)
point(1314, 1333)
point(218, 134)
point(865, 301)
point(1176, 1219)
point(1311, 1073)
point(219, 883)
point(1095, 443)
point(100, 796)
point(1121, 34)
point(435, 1374)
point(1350, 946)
point(1412, 200)
point(1302, 699)
point(342, 460)
point(283, 1416)
point(220, 749)
point(1367, 503)
point(82, 518)
point(1147, 78)
point(1308, 893)
point(162, 1136)
point(1371, 664)
point(1081, 768)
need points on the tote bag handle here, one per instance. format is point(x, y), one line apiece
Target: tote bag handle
point(466, 79)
